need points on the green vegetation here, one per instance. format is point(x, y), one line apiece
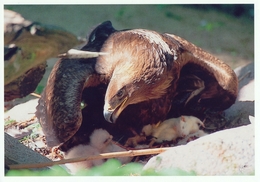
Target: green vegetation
point(110, 168)
point(39, 89)
point(9, 122)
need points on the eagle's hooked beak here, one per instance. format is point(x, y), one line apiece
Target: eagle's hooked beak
point(111, 114)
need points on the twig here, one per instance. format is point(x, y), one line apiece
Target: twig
point(130, 153)
point(79, 54)
point(36, 95)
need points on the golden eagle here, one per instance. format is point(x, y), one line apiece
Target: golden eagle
point(134, 78)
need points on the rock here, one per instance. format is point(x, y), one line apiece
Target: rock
point(227, 152)
point(27, 47)
point(10, 104)
point(18, 134)
point(22, 112)
point(245, 75)
point(17, 153)
point(238, 113)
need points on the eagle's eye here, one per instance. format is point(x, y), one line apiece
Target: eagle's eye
point(120, 93)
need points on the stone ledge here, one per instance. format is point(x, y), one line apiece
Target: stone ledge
point(227, 152)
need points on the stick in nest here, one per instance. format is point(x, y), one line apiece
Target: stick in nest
point(130, 153)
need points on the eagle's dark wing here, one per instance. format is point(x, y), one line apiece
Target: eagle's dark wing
point(205, 82)
point(59, 109)
point(72, 82)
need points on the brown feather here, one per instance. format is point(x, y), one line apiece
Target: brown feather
point(145, 78)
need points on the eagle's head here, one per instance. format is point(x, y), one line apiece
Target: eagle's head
point(138, 62)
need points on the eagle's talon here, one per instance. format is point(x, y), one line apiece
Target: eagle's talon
point(152, 142)
point(134, 141)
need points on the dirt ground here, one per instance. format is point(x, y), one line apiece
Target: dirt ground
point(228, 37)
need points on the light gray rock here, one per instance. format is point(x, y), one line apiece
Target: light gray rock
point(22, 112)
point(244, 106)
point(227, 152)
point(17, 153)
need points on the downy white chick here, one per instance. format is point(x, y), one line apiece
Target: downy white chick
point(171, 129)
point(99, 139)
point(186, 139)
point(82, 151)
point(166, 131)
point(100, 142)
point(189, 125)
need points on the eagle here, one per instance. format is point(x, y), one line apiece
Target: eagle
point(130, 78)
